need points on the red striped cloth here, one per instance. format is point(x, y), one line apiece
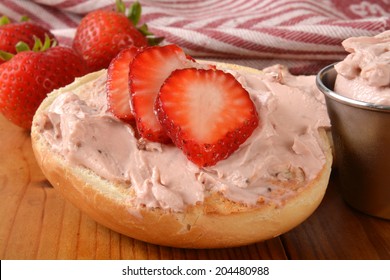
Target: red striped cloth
point(304, 35)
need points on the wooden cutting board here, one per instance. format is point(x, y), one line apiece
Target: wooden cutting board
point(37, 223)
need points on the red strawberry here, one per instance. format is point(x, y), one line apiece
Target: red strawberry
point(149, 69)
point(117, 86)
point(102, 34)
point(12, 33)
point(206, 113)
point(29, 76)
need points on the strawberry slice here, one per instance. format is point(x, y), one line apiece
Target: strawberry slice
point(206, 113)
point(117, 86)
point(148, 71)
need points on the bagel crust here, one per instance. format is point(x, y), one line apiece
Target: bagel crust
point(214, 222)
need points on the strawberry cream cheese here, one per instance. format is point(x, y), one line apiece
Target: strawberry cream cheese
point(285, 146)
point(365, 73)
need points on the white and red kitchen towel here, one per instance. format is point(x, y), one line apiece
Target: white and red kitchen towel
point(304, 35)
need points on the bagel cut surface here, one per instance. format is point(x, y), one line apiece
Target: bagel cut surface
point(270, 185)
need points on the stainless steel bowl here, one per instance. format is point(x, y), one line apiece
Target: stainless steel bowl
point(361, 136)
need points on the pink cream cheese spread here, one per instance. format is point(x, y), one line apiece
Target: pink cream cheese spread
point(365, 73)
point(78, 126)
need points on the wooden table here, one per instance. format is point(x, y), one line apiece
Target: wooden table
point(37, 223)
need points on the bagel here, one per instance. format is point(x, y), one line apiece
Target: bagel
point(217, 218)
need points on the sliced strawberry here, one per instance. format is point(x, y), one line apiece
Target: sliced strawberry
point(117, 86)
point(206, 113)
point(148, 71)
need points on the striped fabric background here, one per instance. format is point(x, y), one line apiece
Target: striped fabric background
point(304, 35)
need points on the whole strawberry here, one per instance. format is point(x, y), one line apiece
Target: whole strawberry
point(102, 34)
point(29, 76)
point(12, 33)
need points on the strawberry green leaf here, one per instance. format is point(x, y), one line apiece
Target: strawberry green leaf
point(46, 43)
point(37, 44)
point(5, 55)
point(40, 46)
point(120, 6)
point(4, 20)
point(154, 41)
point(53, 43)
point(135, 13)
point(144, 30)
point(22, 47)
point(24, 19)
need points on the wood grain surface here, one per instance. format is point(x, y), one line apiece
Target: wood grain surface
point(37, 223)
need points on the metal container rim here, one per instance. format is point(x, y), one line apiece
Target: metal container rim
point(340, 98)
